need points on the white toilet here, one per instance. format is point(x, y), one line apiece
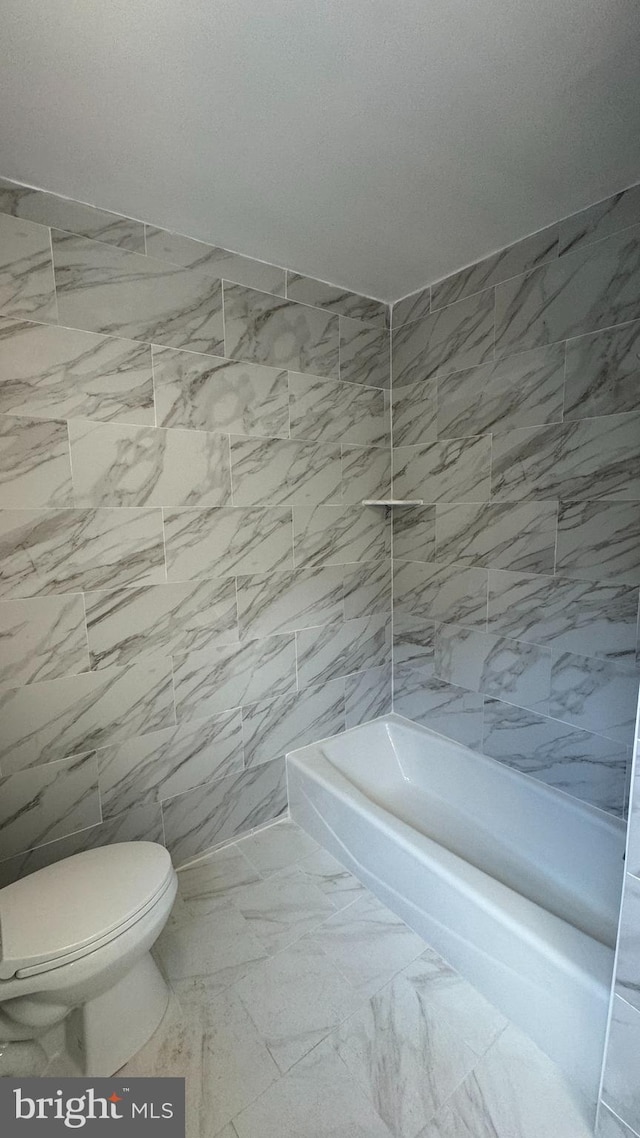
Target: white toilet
point(75, 960)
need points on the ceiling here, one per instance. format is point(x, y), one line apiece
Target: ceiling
point(379, 144)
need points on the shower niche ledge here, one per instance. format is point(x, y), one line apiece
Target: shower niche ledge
point(393, 502)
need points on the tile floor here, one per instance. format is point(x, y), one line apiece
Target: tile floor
point(303, 1008)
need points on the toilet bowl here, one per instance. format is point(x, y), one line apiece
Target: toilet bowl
point(75, 961)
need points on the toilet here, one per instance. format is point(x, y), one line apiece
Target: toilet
point(75, 960)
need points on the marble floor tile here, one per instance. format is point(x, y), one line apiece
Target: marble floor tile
point(42, 638)
point(367, 943)
point(331, 878)
point(34, 463)
point(282, 909)
point(207, 882)
point(295, 1000)
point(27, 289)
point(513, 1092)
point(316, 1099)
point(218, 946)
point(277, 847)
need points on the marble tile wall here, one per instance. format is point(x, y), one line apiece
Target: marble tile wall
point(516, 418)
point(189, 586)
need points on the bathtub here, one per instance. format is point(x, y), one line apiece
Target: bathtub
point(517, 885)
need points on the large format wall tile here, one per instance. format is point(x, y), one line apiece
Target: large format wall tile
point(126, 625)
point(227, 676)
point(364, 354)
point(367, 588)
point(413, 639)
point(414, 533)
point(412, 307)
point(166, 246)
point(447, 471)
point(456, 337)
point(270, 330)
point(492, 665)
point(329, 411)
point(270, 603)
point(595, 694)
point(224, 808)
point(510, 262)
point(366, 473)
point(61, 373)
point(338, 535)
point(519, 536)
point(27, 288)
point(103, 289)
point(164, 763)
point(38, 806)
point(367, 695)
point(620, 1086)
point(63, 551)
point(603, 372)
point(444, 707)
point(34, 463)
point(341, 649)
point(627, 975)
point(578, 762)
point(334, 299)
point(600, 220)
point(118, 465)
point(592, 288)
point(42, 639)
point(599, 541)
point(224, 541)
point(75, 217)
point(46, 721)
point(436, 592)
point(207, 393)
point(275, 726)
point(282, 472)
point(414, 410)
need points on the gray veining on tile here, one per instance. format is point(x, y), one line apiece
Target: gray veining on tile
point(75, 217)
point(320, 294)
point(64, 551)
point(339, 535)
point(364, 354)
point(224, 541)
point(444, 707)
point(367, 695)
point(620, 1088)
point(283, 472)
point(600, 220)
point(367, 588)
point(47, 721)
point(603, 372)
point(37, 806)
point(126, 625)
point(270, 330)
point(273, 727)
point(445, 471)
point(166, 246)
point(208, 393)
point(441, 593)
point(41, 639)
point(330, 411)
point(414, 410)
point(282, 908)
point(595, 694)
point(451, 339)
point(412, 307)
point(366, 473)
point(60, 373)
point(414, 533)
point(164, 763)
point(341, 649)
point(599, 541)
point(269, 603)
point(27, 288)
point(102, 289)
point(519, 258)
point(519, 536)
point(205, 956)
point(413, 638)
point(34, 463)
point(118, 465)
point(276, 848)
point(627, 977)
point(331, 878)
point(492, 665)
point(227, 676)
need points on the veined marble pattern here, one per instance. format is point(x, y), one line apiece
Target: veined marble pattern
point(620, 1089)
point(510, 262)
point(326, 410)
point(593, 288)
point(603, 372)
point(27, 289)
point(134, 624)
point(366, 473)
point(224, 541)
point(269, 603)
point(444, 707)
point(627, 976)
point(341, 649)
point(41, 639)
point(60, 373)
point(224, 808)
point(412, 307)
point(207, 393)
point(592, 458)
point(166, 246)
point(276, 848)
point(227, 676)
point(367, 695)
point(451, 339)
point(164, 763)
point(414, 411)
point(64, 551)
point(600, 220)
point(34, 463)
point(75, 217)
point(338, 535)
point(414, 533)
point(367, 588)
point(520, 391)
point(441, 593)
point(578, 762)
point(599, 541)
point(270, 330)
point(47, 721)
point(413, 638)
point(593, 618)
point(103, 289)
point(496, 666)
point(519, 536)
point(334, 299)
point(364, 354)
point(40, 805)
point(595, 694)
point(275, 726)
point(118, 465)
point(283, 472)
point(445, 471)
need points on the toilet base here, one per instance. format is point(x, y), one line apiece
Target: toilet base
point(107, 1031)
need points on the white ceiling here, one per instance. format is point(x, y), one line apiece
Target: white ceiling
point(380, 144)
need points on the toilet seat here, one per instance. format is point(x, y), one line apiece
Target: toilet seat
point(70, 909)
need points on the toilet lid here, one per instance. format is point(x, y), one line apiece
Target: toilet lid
point(71, 905)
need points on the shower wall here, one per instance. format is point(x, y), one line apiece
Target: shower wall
point(516, 417)
point(189, 586)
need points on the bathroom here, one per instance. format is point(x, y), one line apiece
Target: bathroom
point(320, 567)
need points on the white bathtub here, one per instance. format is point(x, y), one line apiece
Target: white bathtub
point(515, 884)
